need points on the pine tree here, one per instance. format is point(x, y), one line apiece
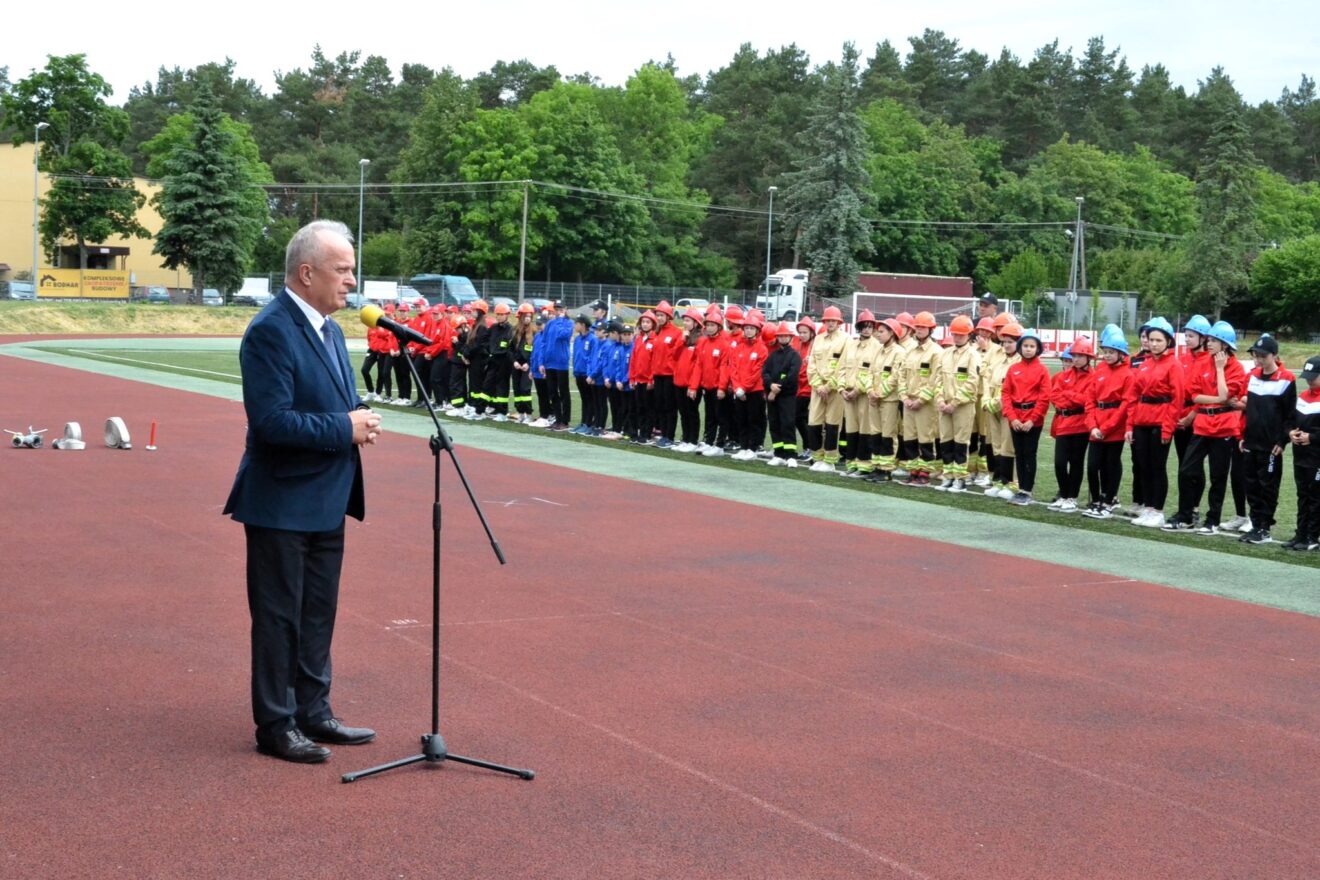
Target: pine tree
point(1221, 251)
point(826, 195)
point(203, 204)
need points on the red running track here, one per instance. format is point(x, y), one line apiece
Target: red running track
point(705, 689)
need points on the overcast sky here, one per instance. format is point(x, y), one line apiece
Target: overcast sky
point(1263, 48)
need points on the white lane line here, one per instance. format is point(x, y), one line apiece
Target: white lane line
point(138, 362)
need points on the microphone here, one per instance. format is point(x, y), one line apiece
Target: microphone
point(372, 316)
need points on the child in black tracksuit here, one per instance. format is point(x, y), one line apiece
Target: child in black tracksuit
point(1305, 437)
point(780, 375)
point(1271, 403)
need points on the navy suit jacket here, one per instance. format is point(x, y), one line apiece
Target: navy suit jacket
point(300, 470)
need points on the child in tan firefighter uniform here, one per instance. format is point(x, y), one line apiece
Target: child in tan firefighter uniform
point(921, 382)
point(859, 358)
point(956, 400)
point(823, 373)
point(886, 400)
point(1000, 432)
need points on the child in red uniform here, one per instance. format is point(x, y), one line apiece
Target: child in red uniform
point(1218, 379)
point(1069, 392)
point(748, 388)
point(806, 332)
point(704, 380)
point(684, 368)
point(1106, 421)
point(1026, 401)
point(1155, 400)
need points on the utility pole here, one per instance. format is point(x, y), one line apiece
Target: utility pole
point(1078, 272)
point(522, 251)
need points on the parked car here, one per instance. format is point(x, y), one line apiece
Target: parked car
point(357, 300)
point(689, 303)
point(21, 290)
point(158, 295)
point(212, 297)
point(447, 290)
point(252, 298)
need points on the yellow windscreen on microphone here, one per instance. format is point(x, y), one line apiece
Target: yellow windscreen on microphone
point(370, 315)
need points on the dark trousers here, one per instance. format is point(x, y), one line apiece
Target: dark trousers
point(615, 396)
point(1104, 470)
point(370, 363)
point(628, 401)
point(561, 406)
point(800, 418)
point(1069, 461)
point(753, 419)
point(1308, 501)
point(543, 407)
point(599, 406)
point(783, 423)
point(666, 406)
point(1237, 481)
point(1025, 444)
point(293, 592)
point(522, 392)
point(458, 386)
point(402, 377)
point(584, 397)
point(1263, 472)
point(495, 390)
point(728, 431)
point(689, 416)
point(645, 404)
point(1191, 476)
point(711, 429)
point(439, 379)
point(1150, 459)
point(477, 383)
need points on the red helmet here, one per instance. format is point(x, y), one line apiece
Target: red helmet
point(785, 329)
point(650, 315)
point(1083, 346)
point(421, 302)
point(404, 307)
point(865, 318)
point(832, 313)
point(526, 309)
point(502, 309)
point(961, 324)
point(924, 319)
point(905, 319)
point(713, 316)
point(805, 321)
point(1012, 328)
point(664, 308)
point(733, 314)
point(986, 325)
point(695, 315)
point(1002, 319)
point(481, 304)
point(894, 327)
point(947, 341)
point(389, 308)
point(754, 319)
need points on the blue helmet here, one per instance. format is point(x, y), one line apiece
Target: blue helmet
point(1224, 332)
point(1066, 354)
point(1198, 324)
point(1030, 334)
point(1164, 327)
point(1112, 337)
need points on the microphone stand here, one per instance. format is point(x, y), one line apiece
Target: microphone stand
point(434, 750)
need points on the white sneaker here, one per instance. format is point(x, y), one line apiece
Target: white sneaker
point(901, 474)
point(549, 421)
point(792, 462)
point(539, 423)
point(775, 462)
point(958, 486)
point(745, 455)
point(944, 484)
point(1236, 524)
point(1055, 504)
point(713, 452)
point(823, 467)
point(1069, 505)
point(983, 481)
point(500, 417)
point(1155, 520)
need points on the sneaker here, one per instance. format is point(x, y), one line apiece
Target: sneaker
point(900, 474)
point(943, 485)
point(1208, 529)
point(1021, 499)
point(1294, 544)
point(822, 467)
point(958, 486)
point(982, 482)
point(549, 421)
point(713, 452)
point(776, 462)
point(1235, 524)
point(611, 435)
point(1097, 511)
point(1055, 504)
point(1257, 536)
point(539, 423)
point(1246, 528)
point(1177, 524)
point(1069, 505)
point(500, 417)
point(804, 456)
point(1155, 520)
point(792, 462)
point(745, 455)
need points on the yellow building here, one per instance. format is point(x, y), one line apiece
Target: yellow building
point(132, 255)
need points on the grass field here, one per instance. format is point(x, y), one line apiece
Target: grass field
point(223, 366)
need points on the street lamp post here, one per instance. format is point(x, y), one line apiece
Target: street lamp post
point(362, 179)
point(36, 204)
point(769, 229)
point(1078, 273)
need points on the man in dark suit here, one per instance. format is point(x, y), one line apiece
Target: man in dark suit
point(300, 475)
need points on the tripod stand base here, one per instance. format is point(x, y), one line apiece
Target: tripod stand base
point(434, 751)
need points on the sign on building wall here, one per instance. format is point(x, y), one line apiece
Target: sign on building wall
point(82, 284)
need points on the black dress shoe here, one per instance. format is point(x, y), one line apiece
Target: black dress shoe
point(333, 731)
point(293, 746)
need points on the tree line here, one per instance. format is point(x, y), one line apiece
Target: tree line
point(938, 159)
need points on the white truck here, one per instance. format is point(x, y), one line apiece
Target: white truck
point(783, 295)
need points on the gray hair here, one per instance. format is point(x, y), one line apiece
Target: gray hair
point(305, 246)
